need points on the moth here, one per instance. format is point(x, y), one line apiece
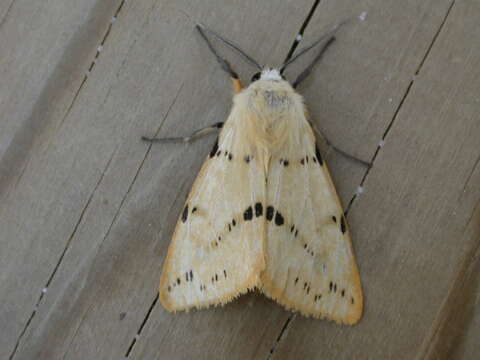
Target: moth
point(263, 212)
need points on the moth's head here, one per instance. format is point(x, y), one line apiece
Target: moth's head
point(270, 90)
point(269, 74)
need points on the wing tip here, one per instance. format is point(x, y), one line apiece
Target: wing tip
point(351, 318)
point(250, 285)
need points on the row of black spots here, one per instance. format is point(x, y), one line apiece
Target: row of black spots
point(284, 162)
point(334, 218)
point(333, 287)
point(279, 220)
point(203, 287)
point(295, 281)
point(308, 250)
point(304, 160)
point(174, 284)
point(317, 297)
point(217, 242)
point(247, 159)
point(189, 276)
point(217, 152)
point(216, 277)
point(343, 226)
point(318, 155)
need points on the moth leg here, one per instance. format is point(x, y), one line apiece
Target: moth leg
point(337, 149)
point(186, 139)
point(304, 74)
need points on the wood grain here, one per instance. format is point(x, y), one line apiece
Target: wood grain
point(46, 47)
point(88, 210)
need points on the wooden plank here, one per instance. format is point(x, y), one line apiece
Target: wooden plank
point(411, 224)
point(154, 74)
point(456, 328)
point(360, 82)
point(46, 48)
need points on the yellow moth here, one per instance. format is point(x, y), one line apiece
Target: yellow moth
point(263, 213)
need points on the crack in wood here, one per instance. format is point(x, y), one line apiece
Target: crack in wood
point(397, 110)
point(62, 255)
point(142, 325)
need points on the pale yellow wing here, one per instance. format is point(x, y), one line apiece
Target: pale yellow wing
point(216, 252)
point(310, 265)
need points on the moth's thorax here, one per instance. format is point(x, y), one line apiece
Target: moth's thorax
point(268, 111)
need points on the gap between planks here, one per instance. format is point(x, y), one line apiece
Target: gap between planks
point(292, 317)
point(62, 255)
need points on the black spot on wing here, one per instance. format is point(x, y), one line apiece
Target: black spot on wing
point(214, 149)
point(270, 212)
point(334, 218)
point(258, 209)
point(343, 226)
point(185, 214)
point(248, 214)
point(279, 219)
point(319, 156)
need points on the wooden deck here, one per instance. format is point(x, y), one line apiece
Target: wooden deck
point(87, 209)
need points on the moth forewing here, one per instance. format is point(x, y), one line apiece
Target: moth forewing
point(263, 212)
point(216, 251)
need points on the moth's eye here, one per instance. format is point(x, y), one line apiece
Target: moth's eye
point(256, 77)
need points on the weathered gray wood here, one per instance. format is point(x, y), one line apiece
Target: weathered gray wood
point(152, 65)
point(359, 84)
point(45, 48)
point(417, 225)
point(78, 178)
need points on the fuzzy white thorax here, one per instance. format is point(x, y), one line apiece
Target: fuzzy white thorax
point(271, 74)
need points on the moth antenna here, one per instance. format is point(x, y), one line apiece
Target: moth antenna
point(306, 49)
point(246, 57)
point(303, 75)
